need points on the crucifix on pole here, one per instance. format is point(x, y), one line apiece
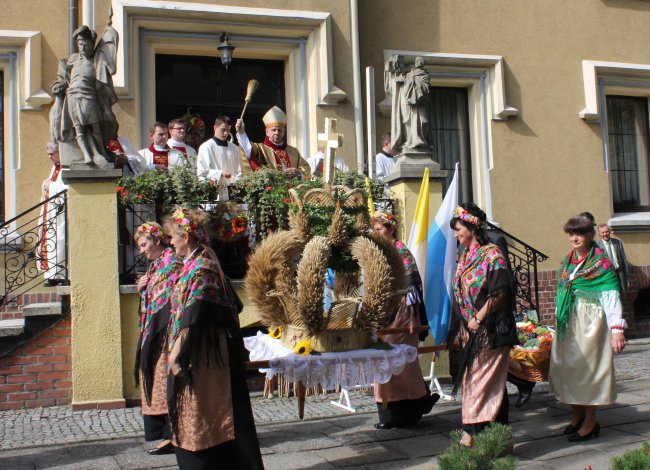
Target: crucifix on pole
point(331, 140)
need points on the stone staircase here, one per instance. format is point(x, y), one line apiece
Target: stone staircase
point(36, 318)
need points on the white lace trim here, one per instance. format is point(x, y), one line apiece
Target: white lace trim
point(330, 370)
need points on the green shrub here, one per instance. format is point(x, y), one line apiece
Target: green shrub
point(485, 454)
point(636, 459)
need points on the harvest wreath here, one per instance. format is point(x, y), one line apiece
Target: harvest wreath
point(328, 229)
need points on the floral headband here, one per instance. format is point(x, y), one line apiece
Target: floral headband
point(462, 214)
point(384, 218)
point(151, 230)
point(189, 227)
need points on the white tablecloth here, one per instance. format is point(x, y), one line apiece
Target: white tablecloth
point(330, 370)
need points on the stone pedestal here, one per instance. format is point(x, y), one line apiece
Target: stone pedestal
point(72, 157)
point(404, 180)
point(97, 379)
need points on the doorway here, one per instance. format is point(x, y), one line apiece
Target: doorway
point(204, 86)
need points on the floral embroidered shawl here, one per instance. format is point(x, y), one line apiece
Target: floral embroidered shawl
point(407, 257)
point(199, 280)
point(163, 273)
point(154, 316)
point(595, 274)
point(475, 268)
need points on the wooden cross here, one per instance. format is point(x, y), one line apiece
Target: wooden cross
point(332, 141)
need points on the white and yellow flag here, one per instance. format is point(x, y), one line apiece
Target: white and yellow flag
point(418, 238)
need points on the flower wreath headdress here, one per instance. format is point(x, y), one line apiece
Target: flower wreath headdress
point(153, 231)
point(384, 218)
point(189, 227)
point(462, 214)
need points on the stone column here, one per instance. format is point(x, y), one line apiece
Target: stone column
point(97, 379)
point(404, 180)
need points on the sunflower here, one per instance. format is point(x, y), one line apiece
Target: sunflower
point(276, 333)
point(303, 348)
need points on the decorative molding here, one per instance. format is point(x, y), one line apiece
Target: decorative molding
point(315, 27)
point(594, 70)
point(491, 65)
point(27, 46)
point(630, 222)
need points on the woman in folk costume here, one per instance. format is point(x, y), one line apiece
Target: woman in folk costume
point(407, 394)
point(590, 326)
point(209, 407)
point(483, 325)
point(155, 288)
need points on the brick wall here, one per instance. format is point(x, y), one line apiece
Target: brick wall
point(639, 278)
point(14, 309)
point(39, 373)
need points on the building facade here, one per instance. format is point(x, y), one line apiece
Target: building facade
point(544, 104)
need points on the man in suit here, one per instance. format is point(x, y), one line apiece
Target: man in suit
point(614, 249)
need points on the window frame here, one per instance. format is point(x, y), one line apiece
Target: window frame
point(645, 122)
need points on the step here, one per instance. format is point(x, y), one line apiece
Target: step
point(42, 309)
point(10, 328)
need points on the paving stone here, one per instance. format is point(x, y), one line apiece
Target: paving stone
point(423, 463)
point(137, 460)
point(360, 454)
point(103, 463)
point(421, 446)
point(296, 461)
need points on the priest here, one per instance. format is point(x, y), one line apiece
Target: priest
point(218, 159)
point(273, 151)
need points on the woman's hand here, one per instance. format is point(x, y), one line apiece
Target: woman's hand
point(472, 325)
point(174, 364)
point(618, 342)
point(142, 282)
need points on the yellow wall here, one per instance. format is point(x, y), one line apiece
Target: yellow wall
point(547, 161)
point(129, 315)
point(94, 294)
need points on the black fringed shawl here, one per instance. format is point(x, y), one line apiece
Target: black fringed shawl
point(154, 316)
point(203, 307)
point(482, 277)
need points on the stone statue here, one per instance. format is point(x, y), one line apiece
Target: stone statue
point(85, 95)
point(410, 116)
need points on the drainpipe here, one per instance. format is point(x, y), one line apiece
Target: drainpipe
point(356, 78)
point(73, 18)
point(89, 13)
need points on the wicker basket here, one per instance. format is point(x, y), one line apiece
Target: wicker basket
point(530, 364)
point(335, 340)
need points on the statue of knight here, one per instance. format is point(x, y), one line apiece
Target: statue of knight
point(84, 97)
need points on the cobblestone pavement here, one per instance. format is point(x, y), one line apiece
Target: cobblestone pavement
point(330, 437)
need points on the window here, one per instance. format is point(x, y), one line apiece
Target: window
point(450, 136)
point(627, 139)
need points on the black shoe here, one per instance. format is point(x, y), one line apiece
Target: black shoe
point(164, 450)
point(384, 425)
point(594, 433)
point(571, 429)
point(524, 397)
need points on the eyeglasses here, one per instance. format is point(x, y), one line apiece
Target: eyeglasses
point(178, 129)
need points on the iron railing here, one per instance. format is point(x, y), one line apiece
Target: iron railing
point(523, 261)
point(33, 245)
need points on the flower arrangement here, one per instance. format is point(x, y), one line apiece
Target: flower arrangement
point(165, 189)
point(195, 129)
point(266, 194)
point(229, 221)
